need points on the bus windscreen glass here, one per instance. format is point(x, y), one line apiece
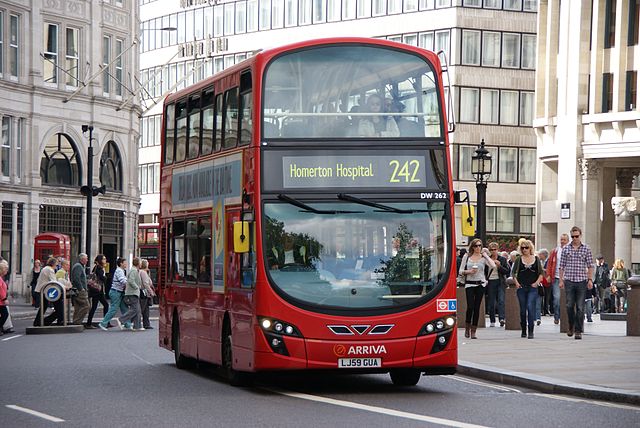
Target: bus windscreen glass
point(350, 92)
point(348, 255)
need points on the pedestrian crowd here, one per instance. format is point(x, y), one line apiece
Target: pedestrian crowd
point(590, 285)
point(131, 292)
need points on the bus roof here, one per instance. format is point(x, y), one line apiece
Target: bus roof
point(263, 56)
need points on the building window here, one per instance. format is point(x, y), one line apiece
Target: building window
point(527, 166)
point(364, 8)
point(395, 6)
point(530, 5)
point(111, 168)
point(469, 105)
point(631, 90)
point(5, 154)
point(290, 13)
point(610, 24)
point(529, 51)
point(442, 42)
point(466, 152)
point(379, 7)
point(409, 5)
point(59, 164)
point(149, 178)
point(7, 223)
point(50, 72)
point(62, 219)
point(106, 59)
point(635, 229)
point(425, 41)
point(509, 108)
point(634, 22)
point(13, 45)
point(489, 106)
point(512, 4)
point(607, 92)
point(511, 50)
point(501, 219)
point(490, 49)
point(470, 47)
point(526, 220)
point(252, 16)
point(472, 3)
point(410, 39)
point(493, 4)
point(1, 43)
point(526, 108)
point(508, 166)
point(72, 56)
point(118, 66)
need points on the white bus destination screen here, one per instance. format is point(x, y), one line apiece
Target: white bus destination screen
point(339, 170)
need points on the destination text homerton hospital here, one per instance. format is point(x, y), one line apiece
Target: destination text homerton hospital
point(340, 170)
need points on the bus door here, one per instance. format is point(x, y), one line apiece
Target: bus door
point(239, 299)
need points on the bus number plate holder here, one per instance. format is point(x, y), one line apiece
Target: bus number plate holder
point(355, 363)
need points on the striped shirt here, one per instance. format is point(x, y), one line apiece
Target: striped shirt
point(119, 280)
point(575, 262)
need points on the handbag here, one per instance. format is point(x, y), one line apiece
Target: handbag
point(462, 278)
point(93, 282)
point(540, 290)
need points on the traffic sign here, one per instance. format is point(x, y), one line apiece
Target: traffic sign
point(53, 292)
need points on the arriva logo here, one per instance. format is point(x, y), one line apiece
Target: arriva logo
point(367, 349)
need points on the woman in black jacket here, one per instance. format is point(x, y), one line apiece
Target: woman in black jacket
point(497, 284)
point(97, 296)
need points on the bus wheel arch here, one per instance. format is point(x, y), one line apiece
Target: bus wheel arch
point(234, 377)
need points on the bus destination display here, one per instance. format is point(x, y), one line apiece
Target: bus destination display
point(303, 172)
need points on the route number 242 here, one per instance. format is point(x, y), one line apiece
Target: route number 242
point(404, 172)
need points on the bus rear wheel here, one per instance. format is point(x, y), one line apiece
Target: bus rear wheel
point(182, 362)
point(234, 377)
point(405, 377)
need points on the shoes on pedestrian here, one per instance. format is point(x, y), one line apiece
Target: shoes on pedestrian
point(570, 332)
point(102, 327)
point(138, 329)
point(492, 324)
point(530, 335)
point(149, 328)
point(556, 322)
point(8, 331)
point(89, 326)
point(538, 322)
point(578, 336)
point(589, 320)
point(473, 332)
point(501, 323)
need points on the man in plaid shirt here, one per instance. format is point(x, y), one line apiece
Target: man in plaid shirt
point(576, 273)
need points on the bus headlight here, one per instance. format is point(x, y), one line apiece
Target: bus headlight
point(438, 326)
point(279, 327)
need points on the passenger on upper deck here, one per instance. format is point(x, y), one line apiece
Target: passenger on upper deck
point(377, 125)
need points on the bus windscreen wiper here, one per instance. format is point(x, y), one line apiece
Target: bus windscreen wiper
point(309, 208)
point(349, 198)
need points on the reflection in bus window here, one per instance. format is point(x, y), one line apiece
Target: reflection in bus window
point(323, 92)
point(231, 118)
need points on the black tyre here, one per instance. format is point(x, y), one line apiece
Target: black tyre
point(182, 362)
point(234, 377)
point(405, 377)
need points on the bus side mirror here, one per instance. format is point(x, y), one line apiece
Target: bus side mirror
point(468, 220)
point(241, 236)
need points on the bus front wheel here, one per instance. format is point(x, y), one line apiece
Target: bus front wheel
point(405, 377)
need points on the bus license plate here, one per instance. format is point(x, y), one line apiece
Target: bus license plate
point(351, 363)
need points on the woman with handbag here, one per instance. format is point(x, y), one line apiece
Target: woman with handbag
point(473, 268)
point(146, 293)
point(96, 284)
point(619, 276)
point(527, 273)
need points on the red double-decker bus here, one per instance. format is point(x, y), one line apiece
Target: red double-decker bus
point(306, 214)
point(149, 247)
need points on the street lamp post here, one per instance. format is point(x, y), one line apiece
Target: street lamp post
point(481, 169)
point(88, 192)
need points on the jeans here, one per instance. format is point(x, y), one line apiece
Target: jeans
point(576, 292)
point(95, 299)
point(556, 299)
point(474, 300)
point(133, 311)
point(116, 303)
point(589, 309)
point(495, 289)
point(527, 297)
point(539, 306)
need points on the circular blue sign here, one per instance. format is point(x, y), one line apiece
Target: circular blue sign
point(53, 292)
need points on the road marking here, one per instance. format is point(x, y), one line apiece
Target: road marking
point(584, 400)
point(141, 359)
point(374, 409)
point(12, 337)
point(34, 413)
point(487, 385)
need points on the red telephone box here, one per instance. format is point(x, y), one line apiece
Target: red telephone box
point(52, 245)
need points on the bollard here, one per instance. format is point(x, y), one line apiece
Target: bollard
point(511, 307)
point(633, 306)
point(564, 315)
point(54, 292)
point(461, 312)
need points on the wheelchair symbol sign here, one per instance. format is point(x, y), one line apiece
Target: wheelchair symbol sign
point(446, 305)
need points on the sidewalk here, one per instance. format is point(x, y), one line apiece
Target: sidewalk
point(603, 365)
